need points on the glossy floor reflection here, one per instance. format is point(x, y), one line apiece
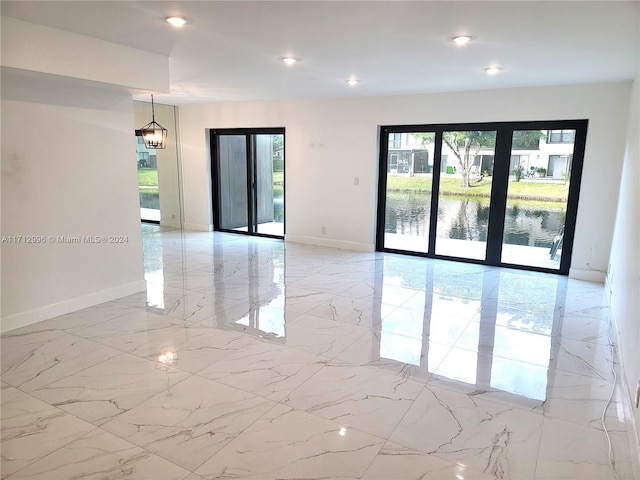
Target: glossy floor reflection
point(252, 358)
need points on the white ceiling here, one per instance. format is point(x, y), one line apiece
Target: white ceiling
point(231, 50)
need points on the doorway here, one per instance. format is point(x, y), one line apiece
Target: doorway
point(503, 193)
point(248, 181)
point(148, 188)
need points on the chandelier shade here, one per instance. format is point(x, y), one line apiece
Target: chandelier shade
point(153, 134)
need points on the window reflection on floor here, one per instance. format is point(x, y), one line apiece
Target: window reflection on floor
point(498, 337)
point(482, 327)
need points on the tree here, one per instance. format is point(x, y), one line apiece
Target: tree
point(518, 172)
point(277, 146)
point(277, 143)
point(527, 139)
point(465, 146)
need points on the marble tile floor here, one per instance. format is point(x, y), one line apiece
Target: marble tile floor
point(252, 358)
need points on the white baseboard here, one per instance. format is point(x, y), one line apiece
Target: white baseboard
point(632, 432)
point(198, 227)
point(22, 319)
point(170, 223)
point(327, 242)
point(587, 275)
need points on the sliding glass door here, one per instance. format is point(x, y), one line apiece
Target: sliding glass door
point(409, 173)
point(248, 180)
point(148, 182)
point(534, 230)
point(232, 182)
point(269, 184)
point(493, 193)
point(463, 220)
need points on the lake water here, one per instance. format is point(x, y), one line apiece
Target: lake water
point(458, 218)
point(150, 200)
point(463, 218)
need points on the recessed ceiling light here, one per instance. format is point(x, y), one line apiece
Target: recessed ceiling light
point(461, 39)
point(290, 60)
point(352, 81)
point(176, 21)
point(492, 70)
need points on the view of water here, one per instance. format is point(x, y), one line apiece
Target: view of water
point(150, 200)
point(465, 218)
point(458, 218)
point(278, 209)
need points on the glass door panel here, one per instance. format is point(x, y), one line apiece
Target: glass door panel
point(506, 194)
point(232, 164)
point(148, 182)
point(248, 179)
point(269, 184)
point(464, 193)
point(410, 161)
point(537, 197)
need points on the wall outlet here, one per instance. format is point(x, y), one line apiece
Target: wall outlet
point(173, 216)
point(323, 230)
point(356, 180)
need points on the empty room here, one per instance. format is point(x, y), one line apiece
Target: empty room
point(320, 239)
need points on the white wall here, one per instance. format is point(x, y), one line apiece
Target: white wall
point(329, 142)
point(624, 272)
point(68, 169)
point(48, 50)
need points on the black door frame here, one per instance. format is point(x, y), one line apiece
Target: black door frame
point(498, 201)
point(252, 198)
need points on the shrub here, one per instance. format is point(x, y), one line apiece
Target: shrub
point(518, 171)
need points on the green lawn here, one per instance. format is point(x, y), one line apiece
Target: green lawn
point(525, 190)
point(278, 184)
point(148, 177)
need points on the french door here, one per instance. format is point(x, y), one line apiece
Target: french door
point(248, 180)
point(493, 193)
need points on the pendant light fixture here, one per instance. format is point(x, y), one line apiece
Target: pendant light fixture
point(154, 135)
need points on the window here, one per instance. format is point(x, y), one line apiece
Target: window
point(559, 166)
point(248, 179)
point(421, 162)
point(519, 160)
point(561, 136)
point(483, 165)
point(472, 194)
point(393, 162)
point(395, 140)
point(148, 184)
point(527, 139)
